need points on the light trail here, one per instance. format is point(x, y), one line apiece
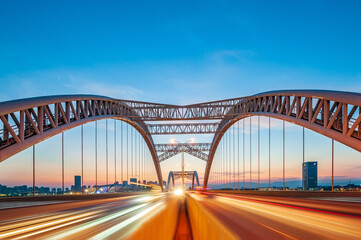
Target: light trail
point(254, 217)
point(78, 219)
point(53, 228)
point(238, 215)
point(43, 225)
point(97, 222)
point(28, 221)
point(125, 223)
point(148, 198)
point(307, 219)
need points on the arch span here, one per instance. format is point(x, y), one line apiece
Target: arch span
point(30, 121)
point(336, 115)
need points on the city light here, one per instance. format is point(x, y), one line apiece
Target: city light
point(178, 192)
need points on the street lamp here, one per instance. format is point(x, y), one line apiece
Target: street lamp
point(182, 150)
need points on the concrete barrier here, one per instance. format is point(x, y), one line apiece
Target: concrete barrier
point(204, 224)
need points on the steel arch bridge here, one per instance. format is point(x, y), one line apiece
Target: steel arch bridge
point(26, 122)
point(175, 175)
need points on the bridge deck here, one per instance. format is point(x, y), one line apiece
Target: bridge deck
point(211, 215)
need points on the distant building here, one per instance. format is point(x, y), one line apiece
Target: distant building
point(133, 180)
point(310, 175)
point(77, 183)
point(125, 183)
point(44, 190)
point(151, 182)
point(144, 181)
point(351, 187)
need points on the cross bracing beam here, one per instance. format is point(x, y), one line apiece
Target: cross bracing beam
point(202, 111)
point(178, 174)
point(198, 154)
point(183, 128)
point(194, 149)
point(177, 147)
point(166, 155)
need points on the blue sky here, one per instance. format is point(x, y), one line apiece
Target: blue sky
point(178, 52)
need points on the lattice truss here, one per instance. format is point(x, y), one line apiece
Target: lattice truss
point(183, 128)
point(336, 115)
point(195, 149)
point(27, 120)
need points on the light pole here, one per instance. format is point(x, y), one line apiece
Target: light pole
point(182, 151)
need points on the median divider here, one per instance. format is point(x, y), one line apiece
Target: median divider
point(204, 224)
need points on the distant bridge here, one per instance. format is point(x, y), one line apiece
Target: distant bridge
point(175, 175)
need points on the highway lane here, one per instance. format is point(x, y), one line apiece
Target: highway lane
point(260, 217)
point(114, 218)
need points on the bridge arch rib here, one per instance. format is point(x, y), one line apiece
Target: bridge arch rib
point(334, 114)
point(29, 121)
